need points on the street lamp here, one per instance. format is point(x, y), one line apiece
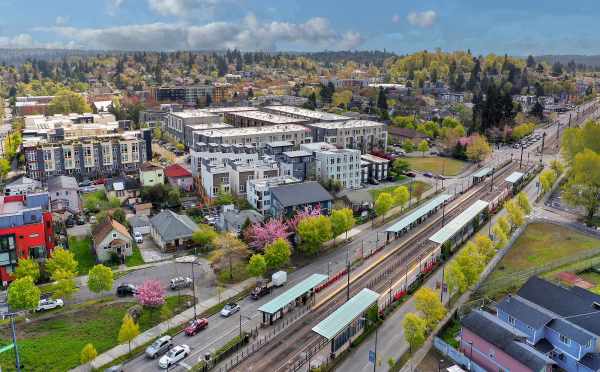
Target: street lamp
point(440, 364)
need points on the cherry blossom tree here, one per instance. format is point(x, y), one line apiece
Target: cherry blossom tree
point(151, 294)
point(259, 235)
point(292, 224)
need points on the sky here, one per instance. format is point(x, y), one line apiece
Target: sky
point(403, 26)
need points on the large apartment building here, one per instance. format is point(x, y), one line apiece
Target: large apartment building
point(364, 135)
point(258, 192)
point(190, 95)
point(233, 176)
point(86, 158)
point(256, 136)
point(246, 119)
point(342, 165)
point(305, 114)
point(181, 124)
point(220, 154)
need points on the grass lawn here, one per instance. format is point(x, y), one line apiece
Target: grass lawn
point(82, 249)
point(541, 244)
point(239, 274)
point(135, 259)
point(437, 165)
point(55, 344)
point(390, 189)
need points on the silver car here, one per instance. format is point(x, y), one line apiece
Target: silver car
point(160, 346)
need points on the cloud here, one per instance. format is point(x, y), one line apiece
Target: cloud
point(61, 21)
point(248, 34)
point(182, 8)
point(22, 41)
point(396, 18)
point(422, 19)
point(114, 6)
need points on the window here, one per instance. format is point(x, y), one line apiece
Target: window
point(8, 257)
point(37, 253)
point(511, 320)
point(565, 340)
point(589, 343)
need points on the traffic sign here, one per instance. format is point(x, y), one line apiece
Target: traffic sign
point(371, 356)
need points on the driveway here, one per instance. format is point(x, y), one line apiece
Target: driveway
point(151, 252)
point(80, 230)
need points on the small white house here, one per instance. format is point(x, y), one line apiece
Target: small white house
point(140, 224)
point(112, 237)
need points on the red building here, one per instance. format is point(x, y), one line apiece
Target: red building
point(26, 231)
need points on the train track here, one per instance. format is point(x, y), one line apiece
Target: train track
point(294, 346)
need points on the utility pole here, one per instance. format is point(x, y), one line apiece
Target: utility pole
point(542, 149)
point(442, 286)
point(443, 213)
point(348, 273)
point(521, 161)
point(492, 180)
point(194, 284)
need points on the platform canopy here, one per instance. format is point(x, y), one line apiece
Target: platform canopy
point(482, 172)
point(514, 177)
point(460, 221)
point(292, 294)
point(337, 321)
point(418, 213)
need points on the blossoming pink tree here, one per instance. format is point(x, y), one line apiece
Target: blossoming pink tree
point(151, 294)
point(292, 224)
point(260, 235)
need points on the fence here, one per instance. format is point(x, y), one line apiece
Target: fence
point(456, 356)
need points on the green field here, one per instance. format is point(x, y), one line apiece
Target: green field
point(437, 165)
point(390, 189)
point(82, 249)
point(541, 244)
point(55, 344)
point(135, 259)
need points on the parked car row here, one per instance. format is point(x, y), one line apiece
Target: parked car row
point(527, 141)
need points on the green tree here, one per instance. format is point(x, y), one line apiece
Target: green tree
point(414, 330)
point(516, 216)
point(224, 198)
point(257, 266)
point(4, 168)
point(100, 279)
point(471, 263)
point(313, 232)
point(129, 330)
point(478, 149)
point(503, 223)
point(66, 101)
point(485, 246)
point(23, 294)
point(342, 220)
point(427, 301)
point(454, 278)
point(277, 253)
point(157, 133)
point(557, 167)
point(418, 188)
point(342, 98)
point(582, 188)
point(547, 179)
point(64, 286)
point(88, 353)
point(400, 166)
point(228, 248)
point(523, 201)
point(383, 204)
point(27, 267)
point(401, 196)
point(500, 236)
point(204, 236)
point(61, 259)
point(408, 146)
point(423, 147)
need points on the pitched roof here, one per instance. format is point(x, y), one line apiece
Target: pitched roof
point(300, 193)
point(147, 166)
point(176, 170)
point(171, 226)
point(62, 182)
point(506, 338)
point(139, 221)
point(526, 311)
point(104, 227)
point(406, 132)
point(577, 304)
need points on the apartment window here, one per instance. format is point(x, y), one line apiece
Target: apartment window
point(511, 320)
point(565, 340)
point(589, 343)
point(8, 257)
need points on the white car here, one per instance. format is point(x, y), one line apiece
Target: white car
point(230, 309)
point(49, 304)
point(138, 237)
point(174, 355)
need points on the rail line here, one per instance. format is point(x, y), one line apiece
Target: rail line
point(297, 344)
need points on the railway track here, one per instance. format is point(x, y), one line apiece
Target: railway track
point(294, 346)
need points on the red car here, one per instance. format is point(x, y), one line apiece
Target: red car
point(196, 326)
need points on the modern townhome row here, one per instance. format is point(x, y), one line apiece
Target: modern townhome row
point(542, 327)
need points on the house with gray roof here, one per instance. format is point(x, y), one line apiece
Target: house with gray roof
point(172, 231)
point(64, 194)
point(287, 199)
point(234, 220)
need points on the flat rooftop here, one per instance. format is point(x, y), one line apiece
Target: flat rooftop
point(292, 294)
point(187, 114)
point(311, 114)
point(265, 116)
point(222, 110)
point(460, 221)
point(271, 129)
point(353, 123)
point(296, 154)
point(374, 159)
point(418, 213)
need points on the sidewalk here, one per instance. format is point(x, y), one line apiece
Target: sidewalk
point(163, 327)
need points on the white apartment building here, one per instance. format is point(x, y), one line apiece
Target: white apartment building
point(257, 136)
point(258, 192)
point(302, 113)
point(364, 135)
point(178, 123)
point(219, 154)
point(232, 177)
point(337, 164)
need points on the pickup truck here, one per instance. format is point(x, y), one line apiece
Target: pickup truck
point(261, 289)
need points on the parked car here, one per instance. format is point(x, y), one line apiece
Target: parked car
point(81, 219)
point(173, 356)
point(126, 290)
point(117, 368)
point(262, 288)
point(180, 282)
point(85, 183)
point(279, 278)
point(138, 237)
point(410, 174)
point(428, 174)
point(70, 222)
point(159, 347)
point(230, 309)
point(196, 326)
point(49, 304)
point(93, 219)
